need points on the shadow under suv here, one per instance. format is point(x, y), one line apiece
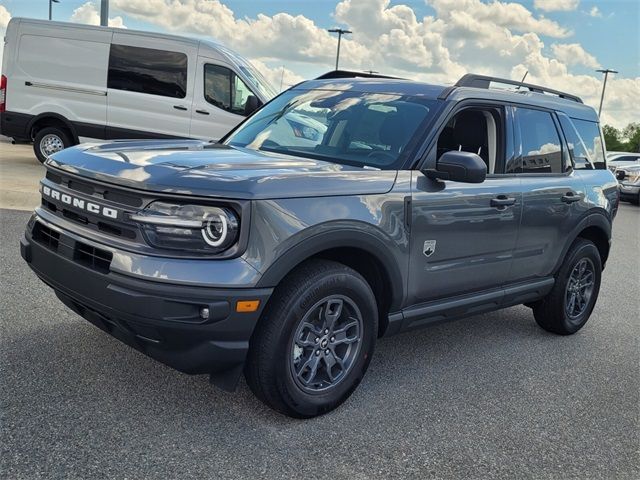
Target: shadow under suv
point(348, 208)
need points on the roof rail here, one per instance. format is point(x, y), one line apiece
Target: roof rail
point(350, 74)
point(483, 81)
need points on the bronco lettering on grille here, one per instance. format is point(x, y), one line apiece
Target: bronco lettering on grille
point(79, 203)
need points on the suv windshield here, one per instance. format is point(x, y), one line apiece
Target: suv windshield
point(340, 126)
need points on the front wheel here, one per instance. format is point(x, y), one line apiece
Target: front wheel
point(568, 306)
point(314, 343)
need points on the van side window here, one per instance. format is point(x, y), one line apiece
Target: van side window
point(590, 135)
point(225, 89)
point(147, 70)
point(541, 145)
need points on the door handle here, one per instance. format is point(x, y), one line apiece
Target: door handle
point(202, 112)
point(180, 107)
point(503, 201)
point(571, 197)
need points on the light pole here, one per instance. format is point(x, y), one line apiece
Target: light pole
point(104, 13)
point(606, 72)
point(51, 2)
point(340, 32)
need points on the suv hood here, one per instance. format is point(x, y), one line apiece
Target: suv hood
point(192, 167)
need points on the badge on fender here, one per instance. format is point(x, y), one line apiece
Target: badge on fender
point(429, 248)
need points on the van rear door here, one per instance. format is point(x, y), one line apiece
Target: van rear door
point(219, 99)
point(150, 87)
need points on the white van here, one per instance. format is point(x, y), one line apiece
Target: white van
point(63, 83)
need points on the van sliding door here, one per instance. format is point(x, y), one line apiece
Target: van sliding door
point(150, 87)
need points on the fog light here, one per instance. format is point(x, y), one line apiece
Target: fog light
point(204, 313)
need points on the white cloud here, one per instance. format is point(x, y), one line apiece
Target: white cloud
point(88, 13)
point(507, 15)
point(574, 54)
point(5, 16)
point(556, 5)
point(277, 76)
point(498, 38)
point(595, 12)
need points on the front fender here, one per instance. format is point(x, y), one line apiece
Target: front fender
point(361, 237)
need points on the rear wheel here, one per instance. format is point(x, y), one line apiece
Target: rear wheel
point(568, 306)
point(314, 343)
point(50, 140)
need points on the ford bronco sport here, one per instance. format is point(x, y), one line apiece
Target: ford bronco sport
point(348, 208)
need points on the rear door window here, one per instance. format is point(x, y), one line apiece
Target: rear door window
point(541, 144)
point(148, 70)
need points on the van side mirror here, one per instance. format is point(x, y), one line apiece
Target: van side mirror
point(458, 166)
point(251, 105)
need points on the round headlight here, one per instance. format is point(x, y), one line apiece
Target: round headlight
point(215, 228)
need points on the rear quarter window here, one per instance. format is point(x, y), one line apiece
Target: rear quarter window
point(590, 149)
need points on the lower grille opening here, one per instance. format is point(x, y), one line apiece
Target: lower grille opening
point(92, 257)
point(49, 206)
point(46, 236)
point(76, 217)
point(117, 231)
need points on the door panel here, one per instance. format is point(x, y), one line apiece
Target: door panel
point(474, 241)
point(547, 221)
point(553, 201)
point(209, 122)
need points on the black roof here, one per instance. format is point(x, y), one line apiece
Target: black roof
point(469, 86)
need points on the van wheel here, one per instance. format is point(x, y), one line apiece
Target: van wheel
point(50, 140)
point(315, 340)
point(568, 306)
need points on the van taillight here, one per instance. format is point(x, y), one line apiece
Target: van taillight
point(3, 93)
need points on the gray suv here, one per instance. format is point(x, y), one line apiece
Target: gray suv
point(349, 208)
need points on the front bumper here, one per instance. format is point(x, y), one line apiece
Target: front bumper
point(159, 319)
point(629, 190)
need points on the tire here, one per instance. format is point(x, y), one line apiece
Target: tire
point(316, 293)
point(552, 312)
point(57, 139)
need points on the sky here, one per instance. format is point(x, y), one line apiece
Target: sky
point(560, 43)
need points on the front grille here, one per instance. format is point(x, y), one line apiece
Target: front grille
point(104, 195)
point(92, 257)
point(46, 236)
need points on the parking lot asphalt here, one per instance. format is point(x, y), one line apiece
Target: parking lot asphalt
point(20, 174)
point(492, 396)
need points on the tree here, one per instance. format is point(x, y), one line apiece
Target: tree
point(612, 139)
point(632, 134)
point(627, 140)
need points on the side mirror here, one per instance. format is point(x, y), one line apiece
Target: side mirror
point(458, 166)
point(251, 105)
